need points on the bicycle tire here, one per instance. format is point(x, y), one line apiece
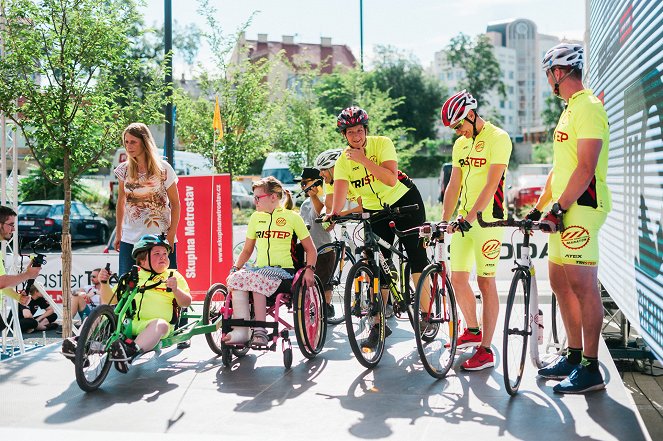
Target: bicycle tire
point(92, 361)
point(436, 343)
point(362, 305)
point(516, 331)
point(309, 317)
point(212, 309)
point(338, 289)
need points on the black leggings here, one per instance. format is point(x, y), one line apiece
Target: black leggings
point(416, 254)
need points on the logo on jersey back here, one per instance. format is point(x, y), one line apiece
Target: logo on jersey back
point(491, 249)
point(575, 237)
point(561, 136)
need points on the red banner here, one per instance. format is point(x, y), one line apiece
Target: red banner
point(204, 234)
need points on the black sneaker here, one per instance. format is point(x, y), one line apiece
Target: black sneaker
point(184, 344)
point(374, 336)
point(330, 310)
point(69, 348)
point(119, 356)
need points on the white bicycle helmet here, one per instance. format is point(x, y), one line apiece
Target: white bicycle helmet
point(457, 107)
point(564, 54)
point(327, 159)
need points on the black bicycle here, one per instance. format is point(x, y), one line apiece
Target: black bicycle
point(364, 304)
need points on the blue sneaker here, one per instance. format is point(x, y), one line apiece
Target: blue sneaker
point(558, 371)
point(580, 381)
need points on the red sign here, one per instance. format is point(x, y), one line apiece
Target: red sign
point(204, 234)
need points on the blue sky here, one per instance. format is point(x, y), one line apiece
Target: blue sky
point(420, 26)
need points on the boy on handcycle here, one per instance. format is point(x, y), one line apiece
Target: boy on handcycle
point(273, 230)
point(161, 292)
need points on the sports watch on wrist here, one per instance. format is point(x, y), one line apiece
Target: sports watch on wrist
point(557, 210)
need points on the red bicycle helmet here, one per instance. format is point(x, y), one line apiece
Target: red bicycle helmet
point(350, 117)
point(457, 107)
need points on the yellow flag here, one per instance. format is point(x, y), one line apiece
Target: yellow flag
point(217, 125)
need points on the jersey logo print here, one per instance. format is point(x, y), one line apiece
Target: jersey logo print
point(280, 221)
point(474, 162)
point(480, 146)
point(358, 183)
point(271, 234)
point(561, 136)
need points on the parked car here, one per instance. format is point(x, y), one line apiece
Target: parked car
point(45, 217)
point(526, 192)
point(241, 197)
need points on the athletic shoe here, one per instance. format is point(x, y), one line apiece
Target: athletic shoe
point(389, 311)
point(330, 310)
point(184, 344)
point(69, 348)
point(374, 336)
point(119, 356)
point(559, 370)
point(581, 380)
point(481, 359)
point(467, 340)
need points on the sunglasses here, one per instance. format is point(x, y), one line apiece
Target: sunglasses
point(257, 198)
point(459, 125)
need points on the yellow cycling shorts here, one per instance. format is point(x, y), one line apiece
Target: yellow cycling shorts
point(578, 244)
point(480, 246)
point(138, 326)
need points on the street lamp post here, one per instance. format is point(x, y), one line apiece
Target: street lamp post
point(168, 44)
point(361, 34)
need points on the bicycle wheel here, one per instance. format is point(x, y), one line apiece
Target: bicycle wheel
point(364, 309)
point(237, 249)
point(309, 318)
point(436, 331)
point(516, 331)
point(338, 278)
point(92, 360)
point(215, 300)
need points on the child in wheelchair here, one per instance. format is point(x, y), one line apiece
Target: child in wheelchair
point(273, 230)
point(162, 292)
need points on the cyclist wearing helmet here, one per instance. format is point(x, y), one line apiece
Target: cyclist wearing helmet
point(480, 157)
point(369, 167)
point(165, 290)
point(325, 163)
point(577, 186)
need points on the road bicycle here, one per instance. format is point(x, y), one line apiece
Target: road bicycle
point(523, 315)
point(364, 305)
point(436, 332)
point(343, 248)
point(107, 324)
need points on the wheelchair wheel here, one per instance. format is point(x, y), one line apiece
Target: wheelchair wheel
point(92, 360)
point(364, 309)
point(287, 358)
point(436, 330)
point(338, 279)
point(215, 300)
point(309, 317)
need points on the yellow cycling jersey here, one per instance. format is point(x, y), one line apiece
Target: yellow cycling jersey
point(9, 290)
point(583, 118)
point(276, 234)
point(374, 193)
point(474, 158)
point(157, 302)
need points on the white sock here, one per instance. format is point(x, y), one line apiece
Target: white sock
point(240, 304)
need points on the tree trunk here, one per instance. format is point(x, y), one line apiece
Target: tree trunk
point(66, 251)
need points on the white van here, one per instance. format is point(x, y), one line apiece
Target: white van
point(280, 165)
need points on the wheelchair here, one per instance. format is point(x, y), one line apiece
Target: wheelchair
point(309, 321)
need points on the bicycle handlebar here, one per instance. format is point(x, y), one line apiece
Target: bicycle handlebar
point(524, 224)
point(387, 211)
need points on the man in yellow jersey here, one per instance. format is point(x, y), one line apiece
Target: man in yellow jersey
point(480, 157)
point(577, 186)
point(325, 163)
point(9, 281)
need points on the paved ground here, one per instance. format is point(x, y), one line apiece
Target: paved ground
point(331, 397)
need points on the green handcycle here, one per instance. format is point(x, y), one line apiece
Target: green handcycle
point(109, 323)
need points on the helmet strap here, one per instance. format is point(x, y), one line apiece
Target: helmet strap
point(558, 82)
point(474, 124)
